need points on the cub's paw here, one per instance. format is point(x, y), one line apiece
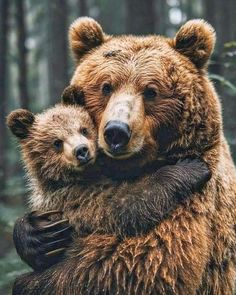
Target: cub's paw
point(42, 238)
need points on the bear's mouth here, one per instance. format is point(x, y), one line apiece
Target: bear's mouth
point(81, 166)
point(86, 163)
point(120, 155)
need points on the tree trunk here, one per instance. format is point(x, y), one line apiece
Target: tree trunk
point(140, 18)
point(189, 9)
point(4, 10)
point(209, 11)
point(233, 18)
point(57, 48)
point(161, 17)
point(22, 56)
point(221, 15)
point(213, 14)
point(83, 7)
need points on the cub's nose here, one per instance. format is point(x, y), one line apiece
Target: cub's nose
point(117, 135)
point(82, 153)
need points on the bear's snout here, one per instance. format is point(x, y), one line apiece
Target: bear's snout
point(82, 153)
point(122, 126)
point(117, 135)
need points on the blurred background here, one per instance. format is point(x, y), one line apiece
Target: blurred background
point(35, 66)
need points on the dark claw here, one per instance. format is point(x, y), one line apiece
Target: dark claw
point(54, 224)
point(62, 231)
point(50, 236)
point(55, 252)
point(58, 244)
point(48, 213)
point(39, 240)
point(51, 244)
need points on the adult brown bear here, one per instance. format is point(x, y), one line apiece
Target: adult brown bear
point(65, 172)
point(151, 98)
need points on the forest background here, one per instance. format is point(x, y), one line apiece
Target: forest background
point(35, 67)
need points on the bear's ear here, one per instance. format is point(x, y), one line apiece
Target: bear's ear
point(84, 34)
point(196, 40)
point(73, 95)
point(20, 121)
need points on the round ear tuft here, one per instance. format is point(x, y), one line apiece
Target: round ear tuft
point(84, 34)
point(20, 121)
point(196, 40)
point(73, 95)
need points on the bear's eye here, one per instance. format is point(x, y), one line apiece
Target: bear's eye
point(149, 93)
point(58, 143)
point(106, 89)
point(84, 131)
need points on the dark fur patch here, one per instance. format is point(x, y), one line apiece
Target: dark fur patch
point(73, 95)
point(19, 122)
point(111, 53)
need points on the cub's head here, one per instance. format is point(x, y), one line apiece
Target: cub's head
point(57, 144)
point(149, 96)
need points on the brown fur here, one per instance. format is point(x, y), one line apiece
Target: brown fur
point(37, 134)
point(193, 251)
point(93, 201)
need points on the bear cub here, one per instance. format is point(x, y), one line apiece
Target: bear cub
point(65, 171)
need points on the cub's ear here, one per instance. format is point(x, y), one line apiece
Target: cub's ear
point(73, 95)
point(84, 34)
point(196, 40)
point(20, 121)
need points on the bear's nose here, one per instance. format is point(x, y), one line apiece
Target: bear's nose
point(117, 135)
point(82, 153)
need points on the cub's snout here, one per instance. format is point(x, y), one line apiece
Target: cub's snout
point(82, 153)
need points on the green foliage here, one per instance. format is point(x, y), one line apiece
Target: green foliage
point(8, 215)
point(11, 267)
point(224, 82)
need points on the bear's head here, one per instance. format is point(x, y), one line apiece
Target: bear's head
point(149, 96)
point(58, 144)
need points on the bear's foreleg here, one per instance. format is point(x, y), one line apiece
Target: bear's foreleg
point(169, 260)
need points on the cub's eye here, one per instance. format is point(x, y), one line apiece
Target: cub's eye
point(84, 131)
point(58, 143)
point(106, 89)
point(149, 93)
